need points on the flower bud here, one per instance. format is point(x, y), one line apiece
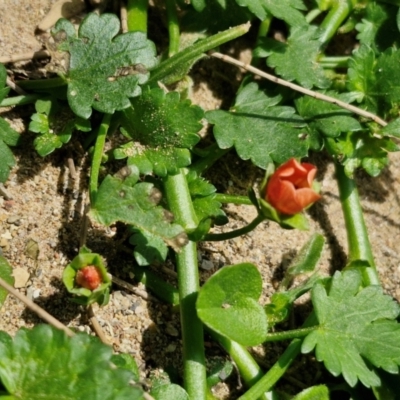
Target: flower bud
point(89, 277)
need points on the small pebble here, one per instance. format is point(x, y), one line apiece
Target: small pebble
point(170, 348)
point(14, 220)
point(171, 330)
point(207, 265)
point(21, 277)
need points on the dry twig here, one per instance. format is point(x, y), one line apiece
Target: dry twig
point(96, 326)
point(37, 309)
point(300, 89)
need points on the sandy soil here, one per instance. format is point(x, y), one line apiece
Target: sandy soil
point(40, 224)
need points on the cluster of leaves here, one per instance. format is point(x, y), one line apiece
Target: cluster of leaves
point(112, 73)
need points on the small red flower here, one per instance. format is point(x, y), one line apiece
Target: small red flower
point(289, 189)
point(89, 277)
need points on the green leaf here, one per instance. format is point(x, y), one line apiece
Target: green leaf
point(160, 161)
point(43, 363)
point(6, 275)
point(214, 16)
point(361, 149)
point(319, 392)
point(116, 201)
point(105, 68)
point(3, 78)
point(258, 130)
point(149, 249)
point(378, 28)
point(287, 10)
point(220, 370)
point(55, 125)
point(354, 325)
point(296, 60)
point(361, 76)
point(227, 303)
point(308, 257)
point(8, 137)
point(159, 119)
point(126, 361)
point(207, 209)
point(168, 392)
point(325, 118)
point(162, 127)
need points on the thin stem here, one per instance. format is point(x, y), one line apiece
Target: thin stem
point(173, 27)
point(191, 53)
point(158, 286)
point(36, 309)
point(180, 201)
point(137, 15)
point(337, 14)
point(334, 62)
point(292, 334)
point(19, 100)
point(42, 84)
point(97, 155)
point(275, 373)
point(313, 14)
point(265, 25)
point(300, 89)
point(249, 370)
point(357, 235)
point(188, 280)
point(214, 237)
point(232, 199)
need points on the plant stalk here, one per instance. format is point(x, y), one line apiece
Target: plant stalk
point(193, 52)
point(137, 15)
point(357, 235)
point(173, 27)
point(97, 155)
point(233, 199)
point(214, 237)
point(275, 373)
point(337, 14)
point(180, 204)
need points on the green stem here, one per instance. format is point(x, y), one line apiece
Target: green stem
point(214, 153)
point(97, 155)
point(265, 25)
point(213, 237)
point(158, 286)
point(137, 15)
point(42, 84)
point(334, 62)
point(357, 235)
point(233, 199)
point(275, 373)
point(191, 53)
point(180, 204)
point(313, 14)
point(337, 14)
point(173, 27)
point(20, 100)
point(249, 370)
point(292, 334)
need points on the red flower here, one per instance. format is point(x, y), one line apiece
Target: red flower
point(89, 277)
point(289, 189)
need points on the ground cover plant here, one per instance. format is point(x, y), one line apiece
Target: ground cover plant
point(110, 84)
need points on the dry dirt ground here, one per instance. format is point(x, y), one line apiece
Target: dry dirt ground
point(40, 224)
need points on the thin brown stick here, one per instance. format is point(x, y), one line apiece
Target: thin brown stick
point(71, 167)
point(36, 309)
point(31, 55)
point(300, 89)
point(96, 326)
point(124, 18)
point(144, 295)
point(15, 87)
